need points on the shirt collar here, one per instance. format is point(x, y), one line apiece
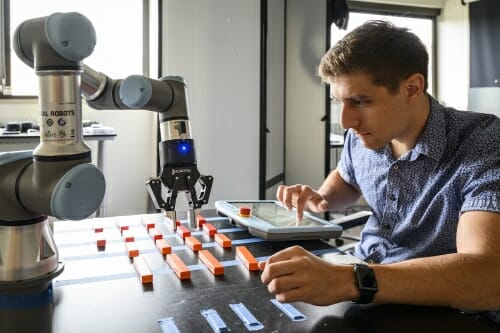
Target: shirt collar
point(432, 141)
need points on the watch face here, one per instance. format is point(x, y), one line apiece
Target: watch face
point(366, 283)
point(365, 278)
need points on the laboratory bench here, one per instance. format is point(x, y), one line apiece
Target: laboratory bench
point(100, 290)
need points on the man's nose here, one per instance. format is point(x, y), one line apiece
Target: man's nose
point(349, 118)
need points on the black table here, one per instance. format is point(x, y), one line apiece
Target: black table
point(99, 290)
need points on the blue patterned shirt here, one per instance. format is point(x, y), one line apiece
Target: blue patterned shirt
point(417, 199)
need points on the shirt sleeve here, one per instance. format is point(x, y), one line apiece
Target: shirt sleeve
point(483, 192)
point(345, 165)
point(482, 189)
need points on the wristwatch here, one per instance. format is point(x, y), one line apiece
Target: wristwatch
point(366, 282)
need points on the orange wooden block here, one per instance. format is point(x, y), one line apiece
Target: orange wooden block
point(209, 229)
point(162, 245)
point(155, 234)
point(245, 211)
point(247, 258)
point(211, 262)
point(148, 223)
point(180, 269)
point(128, 236)
point(100, 239)
point(201, 220)
point(183, 231)
point(98, 228)
point(177, 222)
point(131, 249)
point(142, 269)
point(223, 241)
point(193, 243)
point(122, 225)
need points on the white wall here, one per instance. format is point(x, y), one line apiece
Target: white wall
point(453, 55)
point(215, 45)
point(129, 160)
point(305, 94)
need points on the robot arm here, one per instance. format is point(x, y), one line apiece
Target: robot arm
point(167, 97)
point(58, 179)
point(55, 46)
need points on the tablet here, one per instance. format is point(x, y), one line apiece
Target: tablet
point(270, 220)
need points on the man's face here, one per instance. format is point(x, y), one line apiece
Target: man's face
point(374, 114)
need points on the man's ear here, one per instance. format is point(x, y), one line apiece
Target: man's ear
point(414, 86)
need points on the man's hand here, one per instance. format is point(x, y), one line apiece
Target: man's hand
point(301, 197)
point(295, 274)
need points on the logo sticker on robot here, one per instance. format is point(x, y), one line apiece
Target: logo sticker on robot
point(62, 133)
point(61, 121)
point(49, 134)
point(62, 113)
point(176, 171)
point(50, 122)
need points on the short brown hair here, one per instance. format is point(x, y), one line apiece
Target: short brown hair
point(388, 54)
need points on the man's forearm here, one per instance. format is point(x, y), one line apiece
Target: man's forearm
point(464, 281)
point(337, 192)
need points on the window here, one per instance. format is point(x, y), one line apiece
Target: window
point(120, 31)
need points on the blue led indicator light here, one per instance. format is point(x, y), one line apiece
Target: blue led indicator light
point(184, 148)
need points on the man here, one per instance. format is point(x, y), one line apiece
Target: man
point(430, 174)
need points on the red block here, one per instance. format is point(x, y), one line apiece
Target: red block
point(162, 245)
point(131, 249)
point(209, 229)
point(122, 225)
point(223, 240)
point(183, 231)
point(211, 262)
point(245, 211)
point(178, 266)
point(128, 236)
point(193, 243)
point(155, 234)
point(247, 258)
point(148, 223)
point(201, 220)
point(100, 239)
point(143, 270)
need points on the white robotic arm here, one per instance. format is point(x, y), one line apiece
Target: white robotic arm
point(54, 46)
point(168, 97)
point(57, 178)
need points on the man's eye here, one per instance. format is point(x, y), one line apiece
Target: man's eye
point(358, 102)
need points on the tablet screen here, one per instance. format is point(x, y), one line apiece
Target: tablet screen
point(276, 215)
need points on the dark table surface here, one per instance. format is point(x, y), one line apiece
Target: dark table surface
point(99, 290)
